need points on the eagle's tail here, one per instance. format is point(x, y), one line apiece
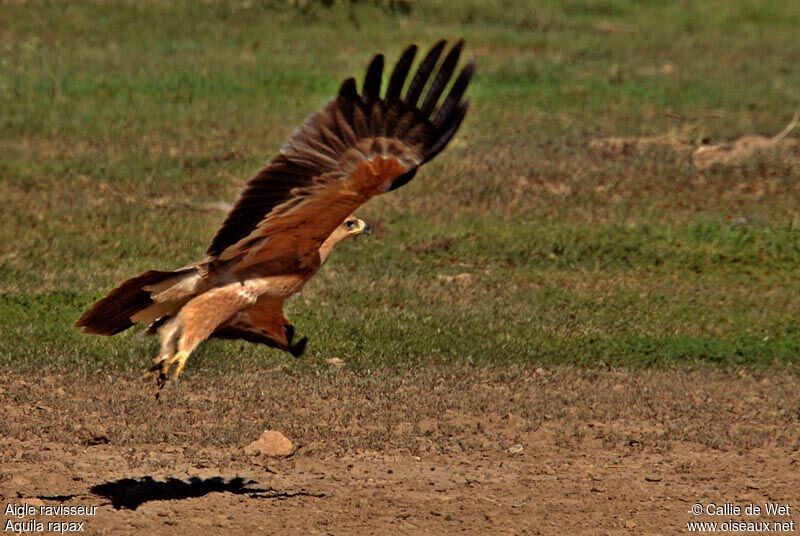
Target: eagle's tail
point(115, 312)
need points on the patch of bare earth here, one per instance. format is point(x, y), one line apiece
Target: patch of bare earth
point(466, 451)
point(706, 157)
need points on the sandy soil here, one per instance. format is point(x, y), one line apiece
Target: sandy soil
point(432, 451)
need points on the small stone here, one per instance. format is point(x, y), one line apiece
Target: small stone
point(462, 280)
point(630, 524)
point(271, 443)
point(335, 362)
point(515, 449)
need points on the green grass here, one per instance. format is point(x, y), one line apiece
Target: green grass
point(112, 118)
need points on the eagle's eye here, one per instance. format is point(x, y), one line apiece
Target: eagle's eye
point(350, 224)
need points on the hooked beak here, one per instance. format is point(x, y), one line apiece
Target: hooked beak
point(358, 228)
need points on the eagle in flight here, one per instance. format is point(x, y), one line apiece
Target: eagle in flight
point(294, 212)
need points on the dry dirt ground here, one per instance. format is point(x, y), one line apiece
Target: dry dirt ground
point(426, 451)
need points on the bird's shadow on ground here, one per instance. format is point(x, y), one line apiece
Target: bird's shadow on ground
point(130, 493)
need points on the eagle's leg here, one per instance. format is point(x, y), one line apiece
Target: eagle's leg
point(184, 344)
point(179, 360)
point(163, 364)
point(169, 334)
point(175, 350)
point(195, 322)
point(294, 348)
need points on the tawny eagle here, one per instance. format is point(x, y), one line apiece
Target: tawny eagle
point(294, 212)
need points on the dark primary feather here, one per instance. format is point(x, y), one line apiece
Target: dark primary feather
point(399, 74)
point(316, 148)
point(423, 73)
point(442, 78)
point(456, 92)
point(372, 81)
point(447, 131)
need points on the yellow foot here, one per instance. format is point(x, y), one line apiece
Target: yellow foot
point(180, 358)
point(162, 367)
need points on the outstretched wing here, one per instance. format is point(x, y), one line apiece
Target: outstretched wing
point(356, 147)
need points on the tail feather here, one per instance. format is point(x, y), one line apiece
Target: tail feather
point(113, 313)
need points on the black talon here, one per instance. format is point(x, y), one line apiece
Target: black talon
point(162, 380)
point(297, 349)
point(289, 330)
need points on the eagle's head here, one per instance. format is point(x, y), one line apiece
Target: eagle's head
point(353, 226)
point(349, 228)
